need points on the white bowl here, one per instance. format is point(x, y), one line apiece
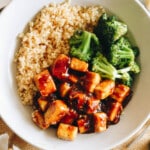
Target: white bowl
point(18, 117)
point(3, 3)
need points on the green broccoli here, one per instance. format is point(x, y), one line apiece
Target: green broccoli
point(136, 51)
point(101, 65)
point(109, 29)
point(125, 77)
point(122, 55)
point(83, 44)
point(135, 68)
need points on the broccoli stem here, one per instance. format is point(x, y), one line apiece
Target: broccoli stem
point(121, 72)
point(101, 65)
point(85, 43)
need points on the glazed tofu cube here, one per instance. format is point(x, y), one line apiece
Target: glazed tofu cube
point(84, 125)
point(42, 103)
point(92, 106)
point(76, 94)
point(104, 89)
point(78, 100)
point(73, 78)
point(78, 65)
point(114, 112)
point(91, 80)
point(60, 67)
point(80, 104)
point(45, 83)
point(100, 121)
point(64, 89)
point(121, 91)
point(70, 117)
point(38, 119)
point(67, 132)
point(55, 112)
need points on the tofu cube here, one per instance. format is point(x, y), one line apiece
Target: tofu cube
point(42, 102)
point(121, 91)
point(78, 65)
point(64, 89)
point(70, 117)
point(104, 89)
point(55, 112)
point(45, 83)
point(60, 67)
point(78, 100)
point(38, 119)
point(73, 78)
point(91, 80)
point(100, 121)
point(84, 125)
point(67, 132)
point(114, 112)
point(92, 106)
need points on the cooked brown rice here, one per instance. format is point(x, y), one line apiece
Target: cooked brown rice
point(47, 37)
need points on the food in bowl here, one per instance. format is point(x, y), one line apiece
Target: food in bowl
point(78, 80)
point(46, 38)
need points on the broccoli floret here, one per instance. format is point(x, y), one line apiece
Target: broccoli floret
point(125, 77)
point(83, 44)
point(135, 68)
point(136, 51)
point(122, 55)
point(101, 65)
point(109, 29)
